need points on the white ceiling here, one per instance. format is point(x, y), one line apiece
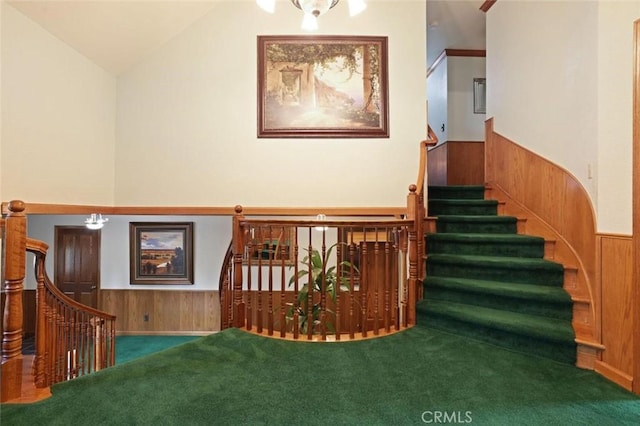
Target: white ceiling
point(116, 34)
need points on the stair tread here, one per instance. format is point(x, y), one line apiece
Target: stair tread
point(476, 218)
point(511, 238)
point(548, 329)
point(500, 288)
point(504, 261)
point(460, 201)
point(456, 187)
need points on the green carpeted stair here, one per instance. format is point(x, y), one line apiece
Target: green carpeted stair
point(485, 281)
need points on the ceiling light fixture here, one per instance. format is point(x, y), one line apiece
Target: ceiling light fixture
point(95, 221)
point(313, 9)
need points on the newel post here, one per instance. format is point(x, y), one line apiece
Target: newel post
point(413, 214)
point(15, 245)
point(238, 250)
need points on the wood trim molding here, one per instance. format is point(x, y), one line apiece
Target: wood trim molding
point(636, 205)
point(67, 209)
point(613, 374)
point(487, 5)
point(477, 53)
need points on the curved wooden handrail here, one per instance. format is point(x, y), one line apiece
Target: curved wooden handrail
point(224, 288)
point(432, 140)
point(72, 339)
point(38, 247)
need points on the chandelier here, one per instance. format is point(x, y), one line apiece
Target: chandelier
point(95, 221)
point(313, 9)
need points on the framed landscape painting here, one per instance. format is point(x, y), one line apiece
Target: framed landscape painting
point(161, 252)
point(322, 87)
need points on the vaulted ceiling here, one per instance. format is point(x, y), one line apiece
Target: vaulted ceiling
point(116, 34)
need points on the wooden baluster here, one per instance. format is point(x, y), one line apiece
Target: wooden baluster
point(352, 295)
point(323, 288)
point(296, 289)
point(310, 289)
point(259, 247)
point(41, 323)
point(248, 232)
point(238, 247)
point(388, 282)
point(283, 285)
point(376, 283)
point(270, 296)
point(364, 285)
point(14, 272)
point(397, 279)
point(339, 287)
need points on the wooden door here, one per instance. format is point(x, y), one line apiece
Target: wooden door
point(77, 263)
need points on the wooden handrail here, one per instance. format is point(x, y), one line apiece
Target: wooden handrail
point(224, 288)
point(72, 339)
point(432, 140)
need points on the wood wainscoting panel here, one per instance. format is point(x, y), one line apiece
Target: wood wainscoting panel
point(616, 266)
point(163, 311)
point(557, 207)
point(465, 163)
point(456, 163)
point(437, 165)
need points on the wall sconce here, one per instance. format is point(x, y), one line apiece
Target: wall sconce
point(95, 221)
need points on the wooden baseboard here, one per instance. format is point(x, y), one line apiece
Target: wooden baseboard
point(619, 377)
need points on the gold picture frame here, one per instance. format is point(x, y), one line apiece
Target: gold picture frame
point(322, 87)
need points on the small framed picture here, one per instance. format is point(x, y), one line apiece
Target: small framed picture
point(161, 252)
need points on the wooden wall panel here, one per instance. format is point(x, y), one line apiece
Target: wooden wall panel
point(456, 163)
point(437, 165)
point(465, 165)
point(616, 267)
point(168, 311)
point(556, 207)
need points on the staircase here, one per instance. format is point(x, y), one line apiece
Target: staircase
point(485, 281)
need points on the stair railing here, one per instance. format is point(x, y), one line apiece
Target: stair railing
point(318, 280)
point(417, 208)
point(72, 339)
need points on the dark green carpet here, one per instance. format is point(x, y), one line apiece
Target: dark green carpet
point(234, 378)
point(483, 280)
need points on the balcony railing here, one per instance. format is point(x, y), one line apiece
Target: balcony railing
point(319, 279)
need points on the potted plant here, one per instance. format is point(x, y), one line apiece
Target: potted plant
point(324, 279)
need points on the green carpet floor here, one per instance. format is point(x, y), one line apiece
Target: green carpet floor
point(410, 378)
point(483, 280)
point(132, 347)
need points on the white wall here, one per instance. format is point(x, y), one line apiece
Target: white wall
point(542, 80)
point(211, 236)
point(437, 94)
point(464, 125)
point(615, 106)
point(58, 119)
point(559, 82)
point(186, 125)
